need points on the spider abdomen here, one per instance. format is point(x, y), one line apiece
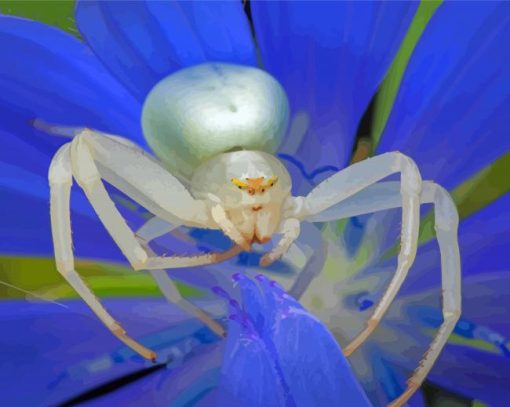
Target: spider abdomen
point(199, 112)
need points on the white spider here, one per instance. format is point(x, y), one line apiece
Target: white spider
point(216, 125)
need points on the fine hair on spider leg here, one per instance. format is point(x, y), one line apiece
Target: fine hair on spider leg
point(60, 176)
point(446, 224)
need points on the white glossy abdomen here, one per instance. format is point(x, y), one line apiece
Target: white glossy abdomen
point(199, 112)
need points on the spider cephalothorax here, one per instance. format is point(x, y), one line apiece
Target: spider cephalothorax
point(215, 128)
point(253, 203)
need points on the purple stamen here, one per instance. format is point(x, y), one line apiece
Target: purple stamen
point(245, 322)
point(261, 277)
point(237, 277)
point(235, 304)
point(221, 292)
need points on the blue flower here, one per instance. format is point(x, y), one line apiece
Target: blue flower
point(274, 342)
point(449, 116)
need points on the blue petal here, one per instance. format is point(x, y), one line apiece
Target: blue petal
point(25, 195)
point(24, 167)
point(477, 374)
point(49, 75)
point(388, 379)
point(142, 42)
point(485, 304)
point(62, 352)
point(24, 189)
point(26, 229)
point(484, 238)
point(249, 375)
point(313, 364)
point(451, 114)
point(193, 381)
point(330, 58)
point(476, 361)
point(254, 304)
point(310, 359)
point(391, 382)
point(278, 346)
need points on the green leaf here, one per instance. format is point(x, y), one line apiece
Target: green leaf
point(25, 277)
point(391, 84)
point(59, 13)
point(472, 195)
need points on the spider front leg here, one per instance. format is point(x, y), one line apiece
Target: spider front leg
point(96, 156)
point(289, 229)
point(312, 237)
point(156, 190)
point(222, 220)
point(386, 195)
point(354, 179)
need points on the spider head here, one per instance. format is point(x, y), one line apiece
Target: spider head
point(242, 179)
point(258, 212)
point(250, 185)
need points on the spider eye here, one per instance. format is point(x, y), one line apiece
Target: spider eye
point(271, 181)
point(238, 183)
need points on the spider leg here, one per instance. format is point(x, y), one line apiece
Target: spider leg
point(312, 238)
point(60, 178)
point(220, 217)
point(354, 179)
point(386, 195)
point(156, 227)
point(109, 157)
point(290, 229)
point(150, 188)
point(76, 159)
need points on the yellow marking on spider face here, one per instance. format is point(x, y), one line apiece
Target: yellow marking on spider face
point(254, 185)
point(238, 183)
point(271, 181)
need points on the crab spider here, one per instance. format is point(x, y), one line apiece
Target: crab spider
point(214, 128)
